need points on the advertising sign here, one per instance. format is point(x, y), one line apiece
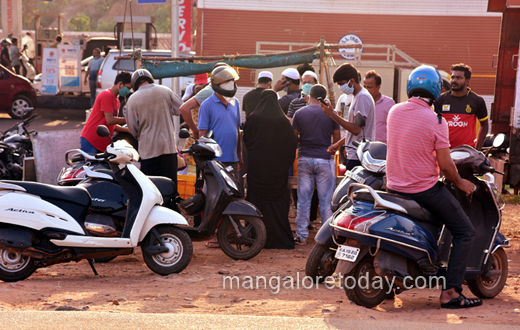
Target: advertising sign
point(69, 68)
point(184, 25)
point(348, 53)
point(50, 71)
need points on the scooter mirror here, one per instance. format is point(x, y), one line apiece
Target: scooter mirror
point(102, 131)
point(360, 120)
point(210, 135)
point(184, 133)
point(498, 140)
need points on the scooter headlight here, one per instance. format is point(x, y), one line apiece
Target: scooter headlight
point(228, 179)
point(216, 148)
point(373, 165)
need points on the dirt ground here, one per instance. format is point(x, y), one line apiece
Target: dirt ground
point(127, 285)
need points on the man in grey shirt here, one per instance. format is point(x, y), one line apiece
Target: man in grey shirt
point(149, 116)
point(347, 77)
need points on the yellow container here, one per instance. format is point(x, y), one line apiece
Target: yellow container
point(186, 185)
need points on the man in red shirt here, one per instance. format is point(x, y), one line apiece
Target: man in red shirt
point(417, 148)
point(106, 112)
point(462, 108)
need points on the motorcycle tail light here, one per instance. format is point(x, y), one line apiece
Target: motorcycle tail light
point(71, 174)
point(350, 221)
point(99, 78)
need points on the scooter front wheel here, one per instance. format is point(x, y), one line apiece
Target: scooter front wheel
point(321, 263)
point(489, 285)
point(15, 267)
point(252, 236)
point(178, 256)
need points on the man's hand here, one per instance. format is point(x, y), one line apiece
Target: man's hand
point(281, 84)
point(466, 186)
point(327, 109)
point(332, 149)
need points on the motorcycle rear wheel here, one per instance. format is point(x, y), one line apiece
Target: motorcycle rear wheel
point(176, 259)
point(487, 288)
point(249, 244)
point(363, 293)
point(15, 267)
point(321, 263)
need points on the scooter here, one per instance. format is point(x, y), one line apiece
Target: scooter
point(42, 225)
point(30, 72)
point(321, 262)
point(389, 243)
point(218, 204)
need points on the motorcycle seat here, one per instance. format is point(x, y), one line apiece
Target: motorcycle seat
point(75, 195)
point(414, 210)
point(164, 185)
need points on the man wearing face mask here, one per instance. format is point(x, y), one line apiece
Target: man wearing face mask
point(252, 98)
point(289, 83)
point(105, 112)
point(5, 59)
point(309, 79)
point(220, 113)
point(347, 77)
point(92, 72)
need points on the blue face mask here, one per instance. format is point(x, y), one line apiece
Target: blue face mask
point(345, 88)
point(124, 91)
point(96, 57)
point(306, 89)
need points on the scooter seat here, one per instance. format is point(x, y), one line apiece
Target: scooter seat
point(414, 210)
point(77, 195)
point(165, 185)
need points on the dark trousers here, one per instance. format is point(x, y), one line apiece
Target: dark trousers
point(163, 165)
point(446, 208)
point(16, 68)
point(92, 84)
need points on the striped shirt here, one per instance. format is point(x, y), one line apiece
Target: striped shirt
point(296, 105)
point(414, 133)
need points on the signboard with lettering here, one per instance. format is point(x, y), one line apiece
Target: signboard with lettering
point(349, 53)
point(184, 25)
point(69, 68)
point(50, 71)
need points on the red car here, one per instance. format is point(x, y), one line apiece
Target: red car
point(17, 95)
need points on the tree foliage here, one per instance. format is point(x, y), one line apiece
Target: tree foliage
point(80, 23)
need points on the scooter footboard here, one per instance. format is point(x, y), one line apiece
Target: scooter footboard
point(160, 215)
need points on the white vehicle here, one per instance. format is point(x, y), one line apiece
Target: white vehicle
point(41, 225)
point(109, 68)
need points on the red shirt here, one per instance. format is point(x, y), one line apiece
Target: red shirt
point(105, 102)
point(413, 135)
point(462, 114)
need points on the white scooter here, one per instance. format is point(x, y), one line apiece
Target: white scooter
point(30, 72)
point(41, 225)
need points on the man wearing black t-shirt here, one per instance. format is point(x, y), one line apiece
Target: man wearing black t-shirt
point(462, 108)
point(252, 98)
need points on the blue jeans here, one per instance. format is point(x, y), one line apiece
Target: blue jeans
point(87, 147)
point(319, 173)
point(92, 84)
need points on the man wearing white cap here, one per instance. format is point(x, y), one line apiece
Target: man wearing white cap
point(252, 98)
point(290, 83)
point(309, 79)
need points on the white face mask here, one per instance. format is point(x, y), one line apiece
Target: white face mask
point(229, 85)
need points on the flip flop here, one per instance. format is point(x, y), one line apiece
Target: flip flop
point(212, 245)
point(462, 302)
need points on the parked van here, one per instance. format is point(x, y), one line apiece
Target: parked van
point(109, 68)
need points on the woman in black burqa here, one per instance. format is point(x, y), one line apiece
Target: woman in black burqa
point(271, 146)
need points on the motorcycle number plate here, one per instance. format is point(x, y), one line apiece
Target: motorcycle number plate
point(347, 253)
point(355, 177)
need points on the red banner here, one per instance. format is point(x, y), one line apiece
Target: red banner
point(185, 25)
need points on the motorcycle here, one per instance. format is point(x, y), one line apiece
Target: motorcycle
point(42, 225)
point(387, 243)
point(219, 205)
point(15, 145)
point(321, 262)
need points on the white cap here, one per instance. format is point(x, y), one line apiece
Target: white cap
point(310, 73)
point(188, 92)
point(291, 73)
point(265, 74)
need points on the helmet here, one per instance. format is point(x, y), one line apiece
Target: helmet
point(221, 75)
point(5, 41)
point(424, 81)
point(138, 76)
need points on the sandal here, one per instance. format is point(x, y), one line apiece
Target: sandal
point(212, 245)
point(462, 302)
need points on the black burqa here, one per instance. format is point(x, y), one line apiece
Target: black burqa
point(271, 146)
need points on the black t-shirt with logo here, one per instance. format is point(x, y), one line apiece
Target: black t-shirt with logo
point(462, 113)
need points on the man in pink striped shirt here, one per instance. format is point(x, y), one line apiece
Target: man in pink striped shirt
point(418, 145)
